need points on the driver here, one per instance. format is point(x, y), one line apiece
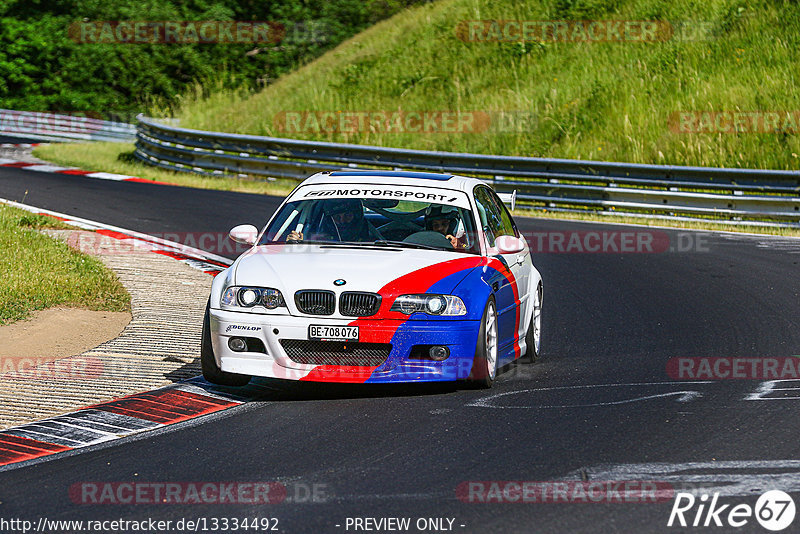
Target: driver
point(444, 219)
point(348, 222)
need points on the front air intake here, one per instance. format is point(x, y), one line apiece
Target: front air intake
point(336, 352)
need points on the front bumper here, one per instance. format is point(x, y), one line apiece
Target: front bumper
point(459, 336)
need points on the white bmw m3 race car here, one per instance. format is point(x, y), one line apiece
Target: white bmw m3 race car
point(375, 277)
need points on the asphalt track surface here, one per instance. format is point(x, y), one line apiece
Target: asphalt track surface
point(600, 395)
point(17, 140)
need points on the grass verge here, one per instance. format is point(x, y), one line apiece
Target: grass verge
point(40, 272)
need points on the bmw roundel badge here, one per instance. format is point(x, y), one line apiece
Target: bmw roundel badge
point(339, 282)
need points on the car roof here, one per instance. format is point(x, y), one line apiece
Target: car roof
point(444, 181)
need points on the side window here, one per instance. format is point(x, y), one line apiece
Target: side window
point(508, 226)
point(491, 220)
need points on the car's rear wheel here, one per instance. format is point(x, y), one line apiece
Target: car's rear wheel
point(484, 366)
point(208, 363)
point(533, 338)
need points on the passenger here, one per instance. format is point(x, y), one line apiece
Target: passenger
point(444, 219)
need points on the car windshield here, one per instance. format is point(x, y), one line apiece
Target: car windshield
point(374, 222)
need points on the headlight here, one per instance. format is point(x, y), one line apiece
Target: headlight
point(430, 304)
point(247, 297)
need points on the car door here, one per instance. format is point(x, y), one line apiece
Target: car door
point(520, 264)
point(511, 282)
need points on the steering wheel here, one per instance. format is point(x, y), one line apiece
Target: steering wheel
point(399, 220)
point(430, 238)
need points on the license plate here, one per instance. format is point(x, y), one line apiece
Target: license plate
point(318, 332)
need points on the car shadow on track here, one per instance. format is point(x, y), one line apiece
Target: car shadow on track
point(270, 389)
point(273, 389)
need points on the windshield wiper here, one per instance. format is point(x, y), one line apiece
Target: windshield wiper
point(379, 242)
point(384, 242)
point(300, 242)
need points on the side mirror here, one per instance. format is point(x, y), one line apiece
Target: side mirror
point(244, 233)
point(507, 244)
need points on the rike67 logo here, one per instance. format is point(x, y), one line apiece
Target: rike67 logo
point(774, 510)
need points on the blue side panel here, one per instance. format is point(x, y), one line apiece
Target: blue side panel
point(460, 337)
point(459, 334)
point(468, 285)
point(475, 290)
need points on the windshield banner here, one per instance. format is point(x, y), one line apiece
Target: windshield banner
point(390, 192)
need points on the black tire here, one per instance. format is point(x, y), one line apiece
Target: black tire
point(208, 363)
point(531, 351)
point(481, 377)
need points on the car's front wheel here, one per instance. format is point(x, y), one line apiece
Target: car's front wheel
point(208, 363)
point(484, 366)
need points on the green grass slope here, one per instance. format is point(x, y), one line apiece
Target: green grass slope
point(589, 100)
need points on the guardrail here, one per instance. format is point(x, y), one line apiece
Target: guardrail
point(60, 128)
point(733, 195)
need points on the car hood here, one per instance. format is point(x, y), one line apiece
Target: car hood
point(362, 268)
